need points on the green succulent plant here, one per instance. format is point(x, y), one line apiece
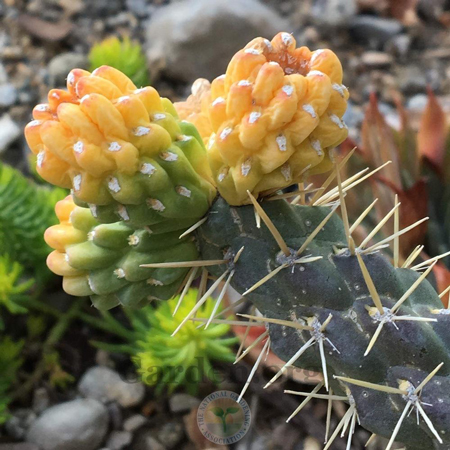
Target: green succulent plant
point(26, 211)
point(10, 363)
point(122, 54)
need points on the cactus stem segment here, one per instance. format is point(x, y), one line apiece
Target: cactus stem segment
point(265, 350)
point(194, 227)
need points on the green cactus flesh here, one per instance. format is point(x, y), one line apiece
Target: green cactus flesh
point(334, 285)
point(111, 257)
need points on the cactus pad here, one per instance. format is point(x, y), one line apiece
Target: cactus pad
point(103, 260)
point(272, 118)
point(122, 150)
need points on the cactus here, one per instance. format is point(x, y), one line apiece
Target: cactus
point(375, 329)
point(103, 260)
point(122, 150)
point(273, 116)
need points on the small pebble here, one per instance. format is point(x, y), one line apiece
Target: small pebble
point(134, 422)
point(179, 403)
point(117, 440)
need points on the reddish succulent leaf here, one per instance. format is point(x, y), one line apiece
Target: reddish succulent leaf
point(379, 145)
point(414, 206)
point(442, 275)
point(432, 135)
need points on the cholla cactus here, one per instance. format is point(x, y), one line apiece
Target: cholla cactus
point(375, 329)
point(122, 150)
point(272, 119)
point(103, 260)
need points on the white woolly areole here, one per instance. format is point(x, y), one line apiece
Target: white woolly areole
point(252, 51)
point(254, 116)
point(316, 54)
point(315, 144)
point(310, 110)
point(133, 240)
point(141, 131)
point(184, 191)
point(287, 38)
point(225, 133)
point(113, 184)
point(339, 88)
point(40, 159)
point(42, 107)
point(223, 173)
point(114, 147)
point(268, 44)
point(315, 73)
point(288, 89)
point(168, 156)
point(71, 79)
point(286, 171)
point(211, 141)
point(123, 213)
point(159, 116)
point(34, 123)
point(184, 137)
point(77, 182)
point(244, 83)
point(93, 209)
point(155, 204)
point(218, 101)
point(245, 167)
point(119, 272)
point(147, 169)
point(281, 142)
point(124, 98)
point(335, 119)
point(78, 147)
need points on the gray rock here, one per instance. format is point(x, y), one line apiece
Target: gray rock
point(9, 132)
point(19, 446)
point(101, 8)
point(182, 403)
point(147, 441)
point(373, 31)
point(138, 7)
point(376, 59)
point(76, 425)
point(197, 38)
point(60, 65)
point(411, 79)
point(117, 440)
point(8, 95)
point(171, 433)
point(135, 422)
point(41, 400)
point(104, 384)
point(333, 13)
